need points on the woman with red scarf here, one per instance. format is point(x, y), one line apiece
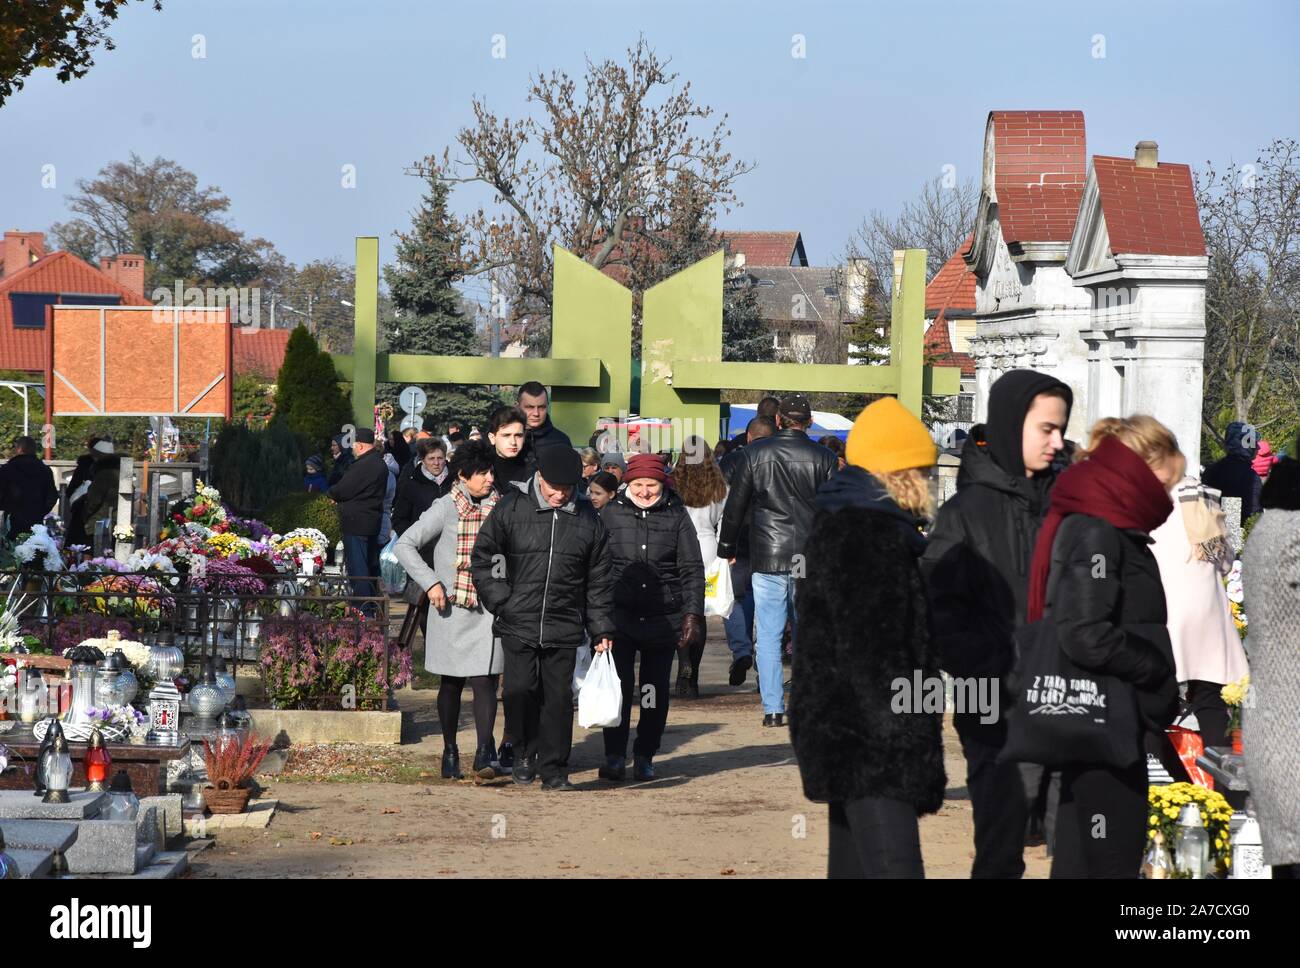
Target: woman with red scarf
point(1108, 606)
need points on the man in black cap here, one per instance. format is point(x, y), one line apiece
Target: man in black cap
point(360, 497)
point(977, 568)
point(773, 483)
point(541, 566)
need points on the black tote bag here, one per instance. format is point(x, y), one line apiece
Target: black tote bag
point(1063, 714)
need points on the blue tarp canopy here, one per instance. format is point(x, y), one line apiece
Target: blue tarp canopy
point(824, 424)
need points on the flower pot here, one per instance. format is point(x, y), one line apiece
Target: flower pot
point(228, 800)
point(1235, 736)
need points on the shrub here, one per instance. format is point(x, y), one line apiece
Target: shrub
point(252, 468)
point(308, 662)
point(303, 510)
point(307, 393)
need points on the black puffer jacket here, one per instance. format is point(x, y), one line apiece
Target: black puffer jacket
point(862, 625)
point(27, 492)
point(977, 562)
point(1112, 620)
point(556, 577)
point(360, 494)
point(547, 435)
point(776, 479)
point(658, 571)
point(1235, 476)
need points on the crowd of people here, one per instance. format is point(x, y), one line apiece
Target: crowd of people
point(521, 550)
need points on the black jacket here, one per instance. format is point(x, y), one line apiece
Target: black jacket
point(658, 570)
point(544, 573)
point(27, 492)
point(99, 502)
point(728, 464)
point(360, 494)
point(415, 493)
point(977, 562)
point(1235, 477)
point(1112, 619)
point(775, 480)
point(547, 435)
point(509, 470)
point(862, 625)
point(341, 465)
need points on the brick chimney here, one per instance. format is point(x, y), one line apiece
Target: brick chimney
point(127, 270)
point(21, 249)
point(1145, 154)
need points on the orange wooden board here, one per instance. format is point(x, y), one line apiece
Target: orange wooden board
point(153, 364)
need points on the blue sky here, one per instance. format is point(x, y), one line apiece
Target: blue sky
point(888, 93)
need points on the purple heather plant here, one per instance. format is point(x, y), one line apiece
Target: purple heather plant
point(311, 659)
point(226, 577)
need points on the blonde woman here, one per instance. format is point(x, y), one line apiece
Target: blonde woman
point(863, 623)
point(702, 488)
point(1108, 608)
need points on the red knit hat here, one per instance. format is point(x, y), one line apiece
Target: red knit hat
point(646, 465)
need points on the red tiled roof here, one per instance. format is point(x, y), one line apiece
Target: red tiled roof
point(61, 272)
point(1149, 211)
point(953, 286)
point(1040, 164)
point(260, 352)
point(938, 348)
point(764, 248)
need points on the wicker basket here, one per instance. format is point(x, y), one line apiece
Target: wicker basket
point(230, 800)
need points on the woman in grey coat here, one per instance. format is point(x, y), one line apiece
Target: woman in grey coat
point(1271, 719)
point(458, 640)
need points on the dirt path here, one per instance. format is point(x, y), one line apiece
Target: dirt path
point(727, 801)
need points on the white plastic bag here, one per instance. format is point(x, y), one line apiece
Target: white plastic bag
point(582, 665)
point(719, 598)
point(600, 701)
point(390, 569)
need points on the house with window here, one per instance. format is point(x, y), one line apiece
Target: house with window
point(950, 309)
point(32, 279)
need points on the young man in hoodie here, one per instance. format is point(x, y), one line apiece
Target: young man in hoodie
point(977, 570)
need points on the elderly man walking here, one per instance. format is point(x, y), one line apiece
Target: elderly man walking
point(360, 497)
point(541, 565)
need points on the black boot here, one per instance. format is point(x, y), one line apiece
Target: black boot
point(614, 770)
point(451, 763)
point(506, 756)
point(484, 757)
point(642, 768)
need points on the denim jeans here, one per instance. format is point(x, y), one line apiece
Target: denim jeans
point(773, 604)
point(740, 623)
point(361, 558)
point(740, 627)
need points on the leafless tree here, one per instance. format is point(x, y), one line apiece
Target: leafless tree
point(938, 220)
point(612, 173)
point(1250, 214)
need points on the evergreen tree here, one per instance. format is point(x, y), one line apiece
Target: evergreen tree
point(745, 337)
point(307, 392)
point(429, 319)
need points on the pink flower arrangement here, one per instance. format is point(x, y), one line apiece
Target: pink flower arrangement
point(309, 662)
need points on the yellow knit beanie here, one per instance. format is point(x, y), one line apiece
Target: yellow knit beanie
point(886, 437)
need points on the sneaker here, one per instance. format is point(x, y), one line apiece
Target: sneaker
point(739, 670)
point(614, 770)
point(506, 757)
point(774, 719)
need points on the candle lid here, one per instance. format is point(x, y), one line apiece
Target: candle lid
point(121, 783)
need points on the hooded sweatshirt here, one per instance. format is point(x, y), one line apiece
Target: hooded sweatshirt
point(980, 549)
point(1235, 475)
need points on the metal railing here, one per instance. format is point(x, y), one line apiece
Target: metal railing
point(305, 613)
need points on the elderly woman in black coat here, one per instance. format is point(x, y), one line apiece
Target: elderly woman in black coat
point(866, 743)
point(658, 604)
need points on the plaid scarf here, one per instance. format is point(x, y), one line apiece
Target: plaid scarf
point(1203, 519)
point(470, 515)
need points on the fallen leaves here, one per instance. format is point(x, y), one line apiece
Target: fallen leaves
point(728, 871)
point(314, 834)
point(391, 810)
point(340, 841)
